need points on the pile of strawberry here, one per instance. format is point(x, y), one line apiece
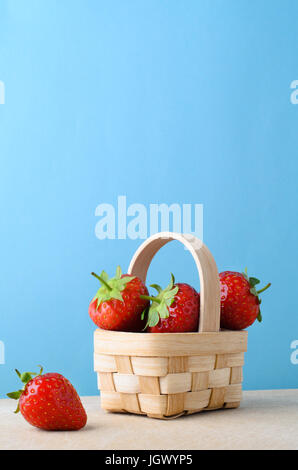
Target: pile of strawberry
point(123, 303)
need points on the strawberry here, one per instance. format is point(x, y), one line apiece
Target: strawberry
point(174, 309)
point(117, 304)
point(240, 303)
point(49, 402)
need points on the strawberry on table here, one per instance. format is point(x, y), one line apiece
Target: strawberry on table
point(174, 309)
point(240, 302)
point(118, 304)
point(49, 402)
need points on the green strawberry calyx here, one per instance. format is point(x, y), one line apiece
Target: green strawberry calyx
point(253, 281)
point(159, 307)
point(111, 288)
point(25, 378)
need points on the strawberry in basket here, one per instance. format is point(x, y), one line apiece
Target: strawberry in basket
point(118, 304)
point(240, 302)
point(174, 309)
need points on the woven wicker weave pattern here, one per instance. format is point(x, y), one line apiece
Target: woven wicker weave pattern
point(164, 387)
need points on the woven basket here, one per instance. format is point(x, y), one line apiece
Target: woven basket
point(166, 375)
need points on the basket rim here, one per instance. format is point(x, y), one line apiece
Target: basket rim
point(124, 343)
point(163, 335)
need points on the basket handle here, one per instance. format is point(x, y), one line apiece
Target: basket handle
point(208, 273)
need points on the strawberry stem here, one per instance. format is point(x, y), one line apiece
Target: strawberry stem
point(264, 288)
point(102, 281)
point(25, 378)
point(148, 297)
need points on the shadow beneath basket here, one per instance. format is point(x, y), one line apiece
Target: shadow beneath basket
point(182, 415)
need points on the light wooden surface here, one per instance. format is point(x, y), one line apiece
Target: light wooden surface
point(205, 263)
point(265, 420)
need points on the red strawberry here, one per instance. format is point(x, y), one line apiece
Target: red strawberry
point(117, 304)
point(240, 304)
point(49, 402)
point(175, 309)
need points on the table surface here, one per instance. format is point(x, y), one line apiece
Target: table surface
point(265, 420)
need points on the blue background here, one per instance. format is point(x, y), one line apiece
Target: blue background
point(163, 102)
